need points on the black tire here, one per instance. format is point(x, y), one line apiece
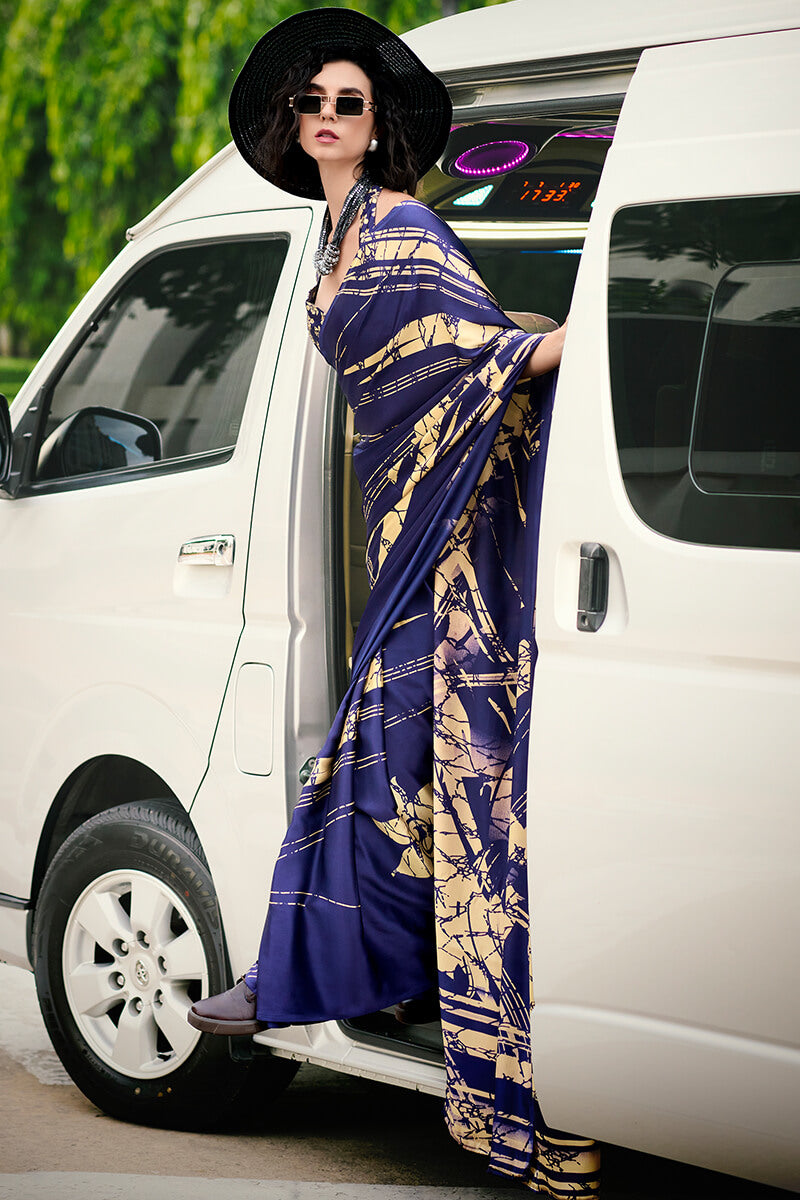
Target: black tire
point(114, 1007)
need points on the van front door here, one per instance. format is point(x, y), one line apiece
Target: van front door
point(124, 607)
point(663, 788)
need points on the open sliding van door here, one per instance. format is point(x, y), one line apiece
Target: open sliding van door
point(664, 832)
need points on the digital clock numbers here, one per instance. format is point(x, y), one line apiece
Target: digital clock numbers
point(545, 196)
point(550, 190)
point(529, 196)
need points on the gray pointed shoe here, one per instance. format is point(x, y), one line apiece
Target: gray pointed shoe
point(230, 1013)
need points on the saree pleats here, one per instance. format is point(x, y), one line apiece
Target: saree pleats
point(405, 862)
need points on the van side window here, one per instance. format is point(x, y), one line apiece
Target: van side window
point(164, 370)
point(746, 437)
point(704, 338)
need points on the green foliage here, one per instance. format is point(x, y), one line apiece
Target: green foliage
point(215, 43)
point(88, 95)
point(36, 283)
point(104, 106)
point(112, 92)
point(13, 373)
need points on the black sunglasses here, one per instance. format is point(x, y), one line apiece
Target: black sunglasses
point(309, 104)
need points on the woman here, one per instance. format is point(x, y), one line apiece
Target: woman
point(403, 870)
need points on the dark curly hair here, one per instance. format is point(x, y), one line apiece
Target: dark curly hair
point(393, 165)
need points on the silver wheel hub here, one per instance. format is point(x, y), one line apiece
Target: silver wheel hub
point(131, 954)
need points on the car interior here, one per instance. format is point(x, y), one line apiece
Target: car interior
point(519, 195)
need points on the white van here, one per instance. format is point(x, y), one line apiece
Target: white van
point(184, 569)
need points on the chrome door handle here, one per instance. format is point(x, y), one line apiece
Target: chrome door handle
point(216, 551)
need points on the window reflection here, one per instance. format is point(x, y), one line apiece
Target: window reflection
point(178, 344)
point(679, 275)
point(747, 426)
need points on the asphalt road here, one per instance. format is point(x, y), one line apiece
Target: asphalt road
point(329, 1137)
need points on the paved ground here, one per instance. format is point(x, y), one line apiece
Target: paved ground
point(133, 1187)
point(329, 1137)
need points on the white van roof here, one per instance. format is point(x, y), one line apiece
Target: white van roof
point(530, 30)
point(488, 42)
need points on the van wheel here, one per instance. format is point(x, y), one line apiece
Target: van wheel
point(127, 937)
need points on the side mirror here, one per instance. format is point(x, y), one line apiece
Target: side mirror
point(6, 441)
point(98, 439)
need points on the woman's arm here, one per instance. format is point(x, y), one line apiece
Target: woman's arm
point(547, 354)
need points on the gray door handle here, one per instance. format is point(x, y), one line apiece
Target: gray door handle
point(592, 587)
point(305, 771)
point(214, 551)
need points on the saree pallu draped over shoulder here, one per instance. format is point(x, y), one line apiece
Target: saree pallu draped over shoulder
point(405, 863)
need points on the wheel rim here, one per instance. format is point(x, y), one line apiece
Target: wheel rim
point(134, 963)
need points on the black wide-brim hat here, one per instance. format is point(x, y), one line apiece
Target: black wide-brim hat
point(421, 95)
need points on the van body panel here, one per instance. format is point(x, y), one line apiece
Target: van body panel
point(328, 1045)
point(597, 89)
point(662, 793)
point(115, 592)
point(285, 621)
point(753, 1134)
point(479, 43)
point(14, 937)
point(225, 184)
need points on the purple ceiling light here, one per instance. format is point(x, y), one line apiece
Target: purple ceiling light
point(492, 158)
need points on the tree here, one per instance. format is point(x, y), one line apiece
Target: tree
point(37, 284)
point(88, 96)
point(104, 107)
point(112, 92)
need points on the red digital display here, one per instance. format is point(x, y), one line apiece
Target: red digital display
point(550, 190)
point(549, 196)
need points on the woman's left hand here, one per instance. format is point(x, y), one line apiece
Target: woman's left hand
point(547, 355)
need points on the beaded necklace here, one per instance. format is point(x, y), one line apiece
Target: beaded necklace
point(326, 255)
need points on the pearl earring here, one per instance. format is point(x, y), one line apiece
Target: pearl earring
point(373, 146)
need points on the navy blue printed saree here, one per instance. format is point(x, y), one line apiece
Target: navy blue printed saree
point(405, 866)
